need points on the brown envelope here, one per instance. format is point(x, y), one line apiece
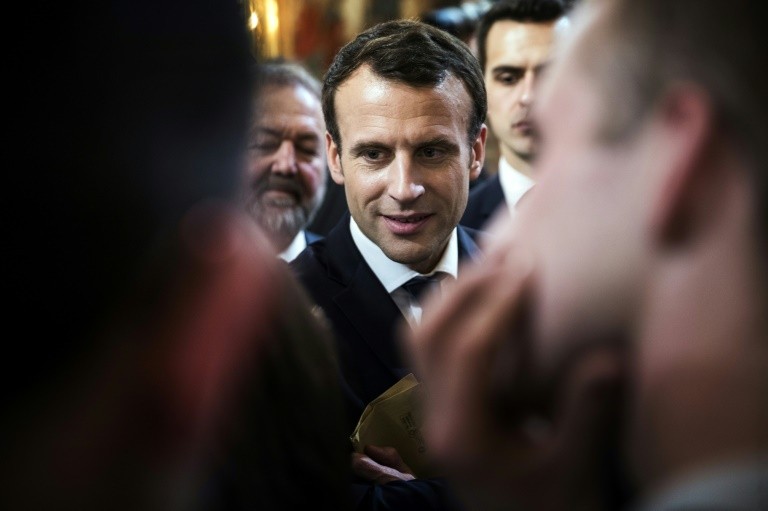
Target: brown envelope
point(394, 419)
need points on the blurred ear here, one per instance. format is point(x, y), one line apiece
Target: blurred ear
point(478, 154)
point(334, 159)
point(686, 149)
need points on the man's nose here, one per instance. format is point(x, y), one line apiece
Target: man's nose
point(529, 82)
point(404, 180)
point(285, 159)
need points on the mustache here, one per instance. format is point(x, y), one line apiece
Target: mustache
point(278, 183)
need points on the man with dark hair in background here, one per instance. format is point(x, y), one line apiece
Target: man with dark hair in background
point(404, 105)
point(514, 40)
point(642, 256)
point(285, 172)
point(152, 328)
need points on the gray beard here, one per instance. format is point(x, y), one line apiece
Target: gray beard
point(282, 222)
point(279, 224)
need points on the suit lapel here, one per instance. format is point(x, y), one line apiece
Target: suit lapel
point(364, 301)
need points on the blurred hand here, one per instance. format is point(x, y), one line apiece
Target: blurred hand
point(508, 432)
point(381, 465)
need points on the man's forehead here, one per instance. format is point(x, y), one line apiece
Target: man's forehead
point(288, 97)
point(516, 40)
point(366, 94)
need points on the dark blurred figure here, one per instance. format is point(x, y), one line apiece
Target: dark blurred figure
point(161, 359)
point(640, 257)
point(285, 173)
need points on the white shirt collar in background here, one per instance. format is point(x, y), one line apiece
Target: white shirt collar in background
point(298, 244)
point(514, 183)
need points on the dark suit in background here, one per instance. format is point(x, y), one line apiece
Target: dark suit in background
point(483, 202)
point(333, 207)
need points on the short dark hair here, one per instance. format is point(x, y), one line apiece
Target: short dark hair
point(526, 11)
point(409, 52)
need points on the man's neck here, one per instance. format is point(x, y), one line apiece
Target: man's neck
point(516, 161)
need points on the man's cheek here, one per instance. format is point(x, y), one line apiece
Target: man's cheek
point(312, 174)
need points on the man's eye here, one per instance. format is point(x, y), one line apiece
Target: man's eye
point(372, 154)
point(264, 147)
point(508, 78)
point(432, 152)
point(308, 151)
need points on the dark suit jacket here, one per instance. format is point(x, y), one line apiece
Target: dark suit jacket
point(365, 320)
point(483, 202)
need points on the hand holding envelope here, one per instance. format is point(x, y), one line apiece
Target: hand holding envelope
point(394, 419)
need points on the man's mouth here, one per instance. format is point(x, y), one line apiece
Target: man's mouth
point(406, 224)
point(280, 197)
point(524, 126)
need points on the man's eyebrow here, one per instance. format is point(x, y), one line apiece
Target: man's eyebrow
point(303, 136)
point(442, 142)
point(268, 131)
point(365, 145)
point(507, 69)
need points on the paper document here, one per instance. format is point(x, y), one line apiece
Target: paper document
point(394, 419)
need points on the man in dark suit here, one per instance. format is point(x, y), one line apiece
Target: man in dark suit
point(285, 167)
point(405, 137)
point(514, 42)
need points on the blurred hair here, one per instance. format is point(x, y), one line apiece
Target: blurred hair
point(526, 11)
point(412, 53)
point(282, 73)
point(713, 44)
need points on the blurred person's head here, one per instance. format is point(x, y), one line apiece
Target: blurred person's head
point(648, 222)
point(405, 135)
point(285, 166)
point(515, 39)
point(144, 307)
point(460, 22)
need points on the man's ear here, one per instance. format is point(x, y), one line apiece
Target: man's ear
point(685, 117)
point(334, 159)
point(478, 153)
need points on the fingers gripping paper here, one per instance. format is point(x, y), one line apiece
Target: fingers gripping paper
point(394, 419)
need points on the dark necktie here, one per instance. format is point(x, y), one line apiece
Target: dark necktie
point(421, 283)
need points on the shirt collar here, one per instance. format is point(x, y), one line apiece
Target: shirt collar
point(513, 182)
point(393, 274)
point(298, 244)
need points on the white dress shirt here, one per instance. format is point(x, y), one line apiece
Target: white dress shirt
point(514, 183)
point(393, 275)
point(298, 244)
